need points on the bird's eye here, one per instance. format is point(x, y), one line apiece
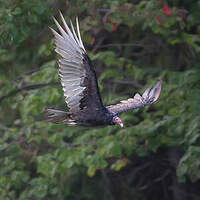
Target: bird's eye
point(117, 119)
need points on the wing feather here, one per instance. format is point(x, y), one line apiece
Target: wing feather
point(76, 72)
point(138, 101)
point(79, 35)
point(68, 37)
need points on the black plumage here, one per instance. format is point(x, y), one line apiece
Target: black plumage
point(79, 82)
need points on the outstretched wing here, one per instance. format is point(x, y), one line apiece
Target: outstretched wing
point(77, 75)
point(148, 98)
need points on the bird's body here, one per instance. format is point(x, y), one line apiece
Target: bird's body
point(79, 82)
point(98, 118)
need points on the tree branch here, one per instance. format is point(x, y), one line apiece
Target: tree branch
point(126, 82)
point(121, 45)
point(27, 87)
point(108, 185)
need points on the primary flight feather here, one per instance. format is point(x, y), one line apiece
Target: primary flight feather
point(79, 83)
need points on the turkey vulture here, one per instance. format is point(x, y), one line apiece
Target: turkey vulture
point(79, 83)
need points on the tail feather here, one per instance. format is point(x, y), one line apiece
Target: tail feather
point(58, 116)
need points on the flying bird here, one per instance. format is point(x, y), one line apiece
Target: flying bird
point(79, 83)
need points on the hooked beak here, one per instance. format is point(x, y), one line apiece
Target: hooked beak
point(118, 121)
point(121, 124)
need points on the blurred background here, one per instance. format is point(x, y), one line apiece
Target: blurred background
point(132, 45)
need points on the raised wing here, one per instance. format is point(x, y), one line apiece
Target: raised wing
point(77, 75)
point(148, 98)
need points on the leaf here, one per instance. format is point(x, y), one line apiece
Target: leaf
point(91, 171)
point(119, 164)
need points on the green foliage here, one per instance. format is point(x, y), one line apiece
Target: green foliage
point(131, 45)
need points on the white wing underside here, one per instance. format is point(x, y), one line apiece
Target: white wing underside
point(71, 71)
point(149, 97)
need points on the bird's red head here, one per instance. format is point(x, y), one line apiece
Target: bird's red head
point(118, 121)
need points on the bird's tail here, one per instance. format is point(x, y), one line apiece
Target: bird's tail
point(58, 116)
